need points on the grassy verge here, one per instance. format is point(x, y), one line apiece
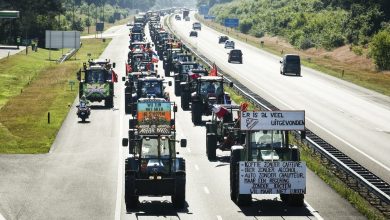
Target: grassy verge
point(364, 76)
point(32, 94)
point(314, 163)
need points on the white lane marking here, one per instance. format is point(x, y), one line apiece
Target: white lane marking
point(313, 212)
point(206, 190)
point(219, 217)
point(326, 130)
point(196, 167)
point(118, 203)
point(2, 217)
point(189, 150)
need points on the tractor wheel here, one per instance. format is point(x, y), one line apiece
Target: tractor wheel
point(211, 146)
point(185, 100)
point(196, 113)
point(80, 89)
point(167, 72)
point(131, 200)
point(241, 199)
point(234, 158)
point(127, 105)
point(177, 88)
point(179, 198)
point(109, 102)
point(296, 200)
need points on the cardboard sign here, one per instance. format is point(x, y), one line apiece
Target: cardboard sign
point(272, 177)
point(154, 117)
point(273, 120)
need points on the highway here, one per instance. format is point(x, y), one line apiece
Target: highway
point(82, 176)
point(352, 118)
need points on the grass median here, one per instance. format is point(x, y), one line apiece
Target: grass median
point(30, 87)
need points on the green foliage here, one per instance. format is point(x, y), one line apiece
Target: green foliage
point(380, 49)
point(308, 23)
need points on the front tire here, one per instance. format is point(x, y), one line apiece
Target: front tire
point(179, 198)
point(211, 146)
point(131, 200)
point(196, 113)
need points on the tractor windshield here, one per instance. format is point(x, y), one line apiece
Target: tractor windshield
point(211, 87)
point(265, 145)
point(151, 88)
point(185, 68)
point(155, 147)
point(96, 76)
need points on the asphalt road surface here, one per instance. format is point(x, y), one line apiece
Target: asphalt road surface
point(82, 176)
point(353, 119)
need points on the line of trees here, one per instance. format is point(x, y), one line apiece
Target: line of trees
point(40, 15)
point(313, 23)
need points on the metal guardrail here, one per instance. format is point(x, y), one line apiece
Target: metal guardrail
point(375, 190)
point(67, 56)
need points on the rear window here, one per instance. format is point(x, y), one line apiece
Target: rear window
point(235, 52)
point(293, 59)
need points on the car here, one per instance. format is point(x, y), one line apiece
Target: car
point(177, 17)
point(229, 44)
point(290, 63)
point(187, 18)
point(196, 26)
point(193, 34)
point(235, 55)
point(222, 39)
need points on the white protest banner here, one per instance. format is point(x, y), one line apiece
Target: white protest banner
point(272, 177)
point(273, 120)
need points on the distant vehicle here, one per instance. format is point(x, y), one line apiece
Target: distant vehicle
point(229, 44)
point(193, 34)
point(187, 18)
point(290, 63)
point(196, 26)
point(83, 110)
point(235, 55)
point(177, 17)
point(222, 39)
point(186, 13)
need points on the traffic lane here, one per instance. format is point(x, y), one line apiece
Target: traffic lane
point(77, 180)
point(306, 89)
point(212, 179)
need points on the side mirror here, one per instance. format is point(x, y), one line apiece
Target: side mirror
point(127, 83)
point(79, 75)
point(231, 84)
point(170, 83)
point(156, 66)
point(303, 134)
point(125, 142)
point(113, 65)
point(123, 78)
point(175, 108)
point(183, 143)
point(281, 61)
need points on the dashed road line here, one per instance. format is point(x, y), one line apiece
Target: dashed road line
point(196, 167)
point(219, 217)
point(206, 190)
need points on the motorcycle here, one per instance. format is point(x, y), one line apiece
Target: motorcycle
point(83, 111)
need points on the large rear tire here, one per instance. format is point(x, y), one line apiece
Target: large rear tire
point(185, 100)
point(211, 146)
point(177, 88)
point(131, 199)
point(196, 113)
point(179, 198)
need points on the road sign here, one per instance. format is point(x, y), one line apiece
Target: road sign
point(62, 39)
point(209, 17)
point(273, 120)
point(231, 22)
point(100, 26)
point(204, 9)
point(272, 177)
point(9, 14)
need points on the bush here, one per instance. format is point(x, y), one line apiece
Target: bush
point(380, 49)
point(245, 25)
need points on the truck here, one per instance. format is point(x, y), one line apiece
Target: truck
point(266, 162)
point(186, 13)
point(154, 168)
point(98, 82)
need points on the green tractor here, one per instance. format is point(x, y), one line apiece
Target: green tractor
point(202, 94)
point(98, 82)
point(154, 168)
point(266, 162)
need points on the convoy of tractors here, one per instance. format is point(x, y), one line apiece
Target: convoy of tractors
point(263, 160)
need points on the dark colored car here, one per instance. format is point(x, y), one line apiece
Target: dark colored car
point(290, 63)
point(222, 39)
point(193, 34)
point(235, 55)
